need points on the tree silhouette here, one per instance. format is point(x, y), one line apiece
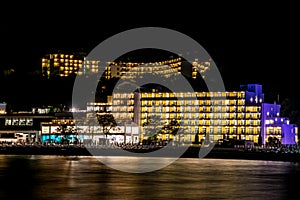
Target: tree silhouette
point(107, 121)
point(154, 126)
point(290, 109)
point(172, 127)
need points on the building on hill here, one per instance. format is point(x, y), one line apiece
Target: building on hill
point(66, 64)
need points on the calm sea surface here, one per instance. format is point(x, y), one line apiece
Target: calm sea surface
point(63, 177)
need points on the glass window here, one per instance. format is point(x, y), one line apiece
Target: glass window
point(8, 121)
point(15, 122)
point(22, 122)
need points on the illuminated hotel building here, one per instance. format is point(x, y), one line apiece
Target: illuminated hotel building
point(167, 68)
point(240, 115)
point(275, 126)
point(51, 130)
point(64, 65)
point(61, 65)
point(199, 68)
point(90, 67)
point(129, 70)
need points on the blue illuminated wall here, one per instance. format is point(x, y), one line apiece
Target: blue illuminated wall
point(59, 138)
point(271, 118)
point(254, 94)
point(270, 115)
point(269, 112)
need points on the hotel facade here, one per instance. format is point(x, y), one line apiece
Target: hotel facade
point(196, 116)
point(237, 115)
point(65, 64)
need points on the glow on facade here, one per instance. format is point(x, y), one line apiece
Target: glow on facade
point(199, 68)
point(61, 65)
point(66, 64)
point(129, 70)
point(238, 115)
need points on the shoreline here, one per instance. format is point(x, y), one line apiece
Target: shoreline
point(191, 152)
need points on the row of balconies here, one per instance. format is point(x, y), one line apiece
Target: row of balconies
point(222, 95)
point(191, 103)
point(193, 110)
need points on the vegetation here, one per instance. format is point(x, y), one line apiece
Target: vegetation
point(155, 126)
point(107, 121)
point(290, 108)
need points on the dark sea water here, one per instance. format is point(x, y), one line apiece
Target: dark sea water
point(84, 177)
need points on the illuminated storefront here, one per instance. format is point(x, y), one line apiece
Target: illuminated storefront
point(15, 124)
point(60, 131)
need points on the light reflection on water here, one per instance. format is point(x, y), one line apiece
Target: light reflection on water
point(84, 177)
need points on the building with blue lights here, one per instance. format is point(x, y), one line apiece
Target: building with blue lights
point(241, 115)
point(236, 115)
point(276, 127)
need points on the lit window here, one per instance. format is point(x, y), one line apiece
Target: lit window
point(8, 122)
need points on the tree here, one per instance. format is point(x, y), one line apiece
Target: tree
point(290, 108)
point(153, 126)
point(90, 120)
point(172, 127)
point(107, 121)
point(273, 142)
point(259, 140)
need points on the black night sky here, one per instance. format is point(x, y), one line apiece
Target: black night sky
point(250, 43)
